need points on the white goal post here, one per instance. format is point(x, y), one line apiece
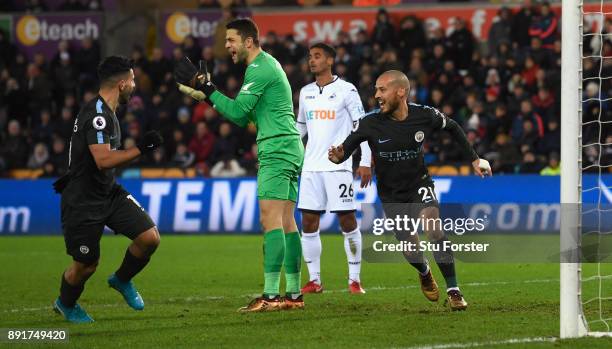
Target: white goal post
point(573, 322)
point(571, 318)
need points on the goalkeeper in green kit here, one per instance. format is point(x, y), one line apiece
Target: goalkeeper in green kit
point(265, 99)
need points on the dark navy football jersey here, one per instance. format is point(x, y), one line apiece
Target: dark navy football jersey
point(96, 123)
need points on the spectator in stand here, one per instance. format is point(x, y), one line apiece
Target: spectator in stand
point(521, 24)
point(38, 89)
point(551, 142)
point(158, 66)
point(213, 121)
point(43, 129)
point(389, 61)
point(66, 76)
point(345, 63)
point(70, 102)
point(476, 142)
point(553, 168)
point(362, 46)
point(528, 74)
point(530, 164)
point(14, 147)
point(504, 154)
point(202, 143)
point(40, 61)
point(544, 104)
point(64, 126)
point(14, 97)
point(225, 145)
point(529, 136)
point(383, 32)
point(48, 170)
point(448, 152)
point(59, 156)
point(526, 113)
point(590, 159)
point(157, 159)
point(411, 37)
point(500, 123)
point(87, 59)
point(501, 30)
point(39, 157)
point(184, 125)
point(544, 26)
point(183, 158)
point(541, 56)
point(460, 44)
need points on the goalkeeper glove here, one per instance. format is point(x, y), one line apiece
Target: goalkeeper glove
point(193, 82)
point(151, 141)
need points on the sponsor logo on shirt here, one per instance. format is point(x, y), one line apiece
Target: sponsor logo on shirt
point(400, 155)
point(310, 97)
point(321, 115)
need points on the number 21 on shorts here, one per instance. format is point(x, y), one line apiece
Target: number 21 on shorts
point(427, 194)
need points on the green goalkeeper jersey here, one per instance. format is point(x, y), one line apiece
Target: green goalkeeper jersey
point(265, 99)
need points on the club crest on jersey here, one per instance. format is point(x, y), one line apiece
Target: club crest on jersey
point(332, 96)
point(99, 123)
point(419, 136)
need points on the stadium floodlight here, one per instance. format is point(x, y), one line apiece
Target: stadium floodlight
point(575, 319)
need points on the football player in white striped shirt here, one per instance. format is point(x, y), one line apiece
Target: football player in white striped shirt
point(329, 109)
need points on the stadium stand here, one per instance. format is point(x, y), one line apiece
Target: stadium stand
point(505, 93)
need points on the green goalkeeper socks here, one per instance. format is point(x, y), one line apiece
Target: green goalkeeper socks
point(274, 253)
point(293, 261)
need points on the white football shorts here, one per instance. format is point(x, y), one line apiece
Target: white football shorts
point(326, 191)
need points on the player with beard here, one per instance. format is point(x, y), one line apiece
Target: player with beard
point(264, 99)
point(396, 133)
point(92, 199)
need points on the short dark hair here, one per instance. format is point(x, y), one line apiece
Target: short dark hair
point(246, 28)
point(112, 66)
point(329, 51)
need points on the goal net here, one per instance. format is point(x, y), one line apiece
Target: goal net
point(586, 169)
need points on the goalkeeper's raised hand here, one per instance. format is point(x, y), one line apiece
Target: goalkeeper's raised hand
point(192, 81)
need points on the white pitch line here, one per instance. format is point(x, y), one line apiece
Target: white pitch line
point(486, 344)
point(369, 289)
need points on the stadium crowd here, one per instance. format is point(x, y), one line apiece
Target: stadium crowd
point(505, 93)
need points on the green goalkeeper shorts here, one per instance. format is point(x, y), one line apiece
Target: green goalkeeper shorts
point(280, 163)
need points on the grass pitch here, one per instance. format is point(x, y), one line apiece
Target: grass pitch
point(194, 285)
